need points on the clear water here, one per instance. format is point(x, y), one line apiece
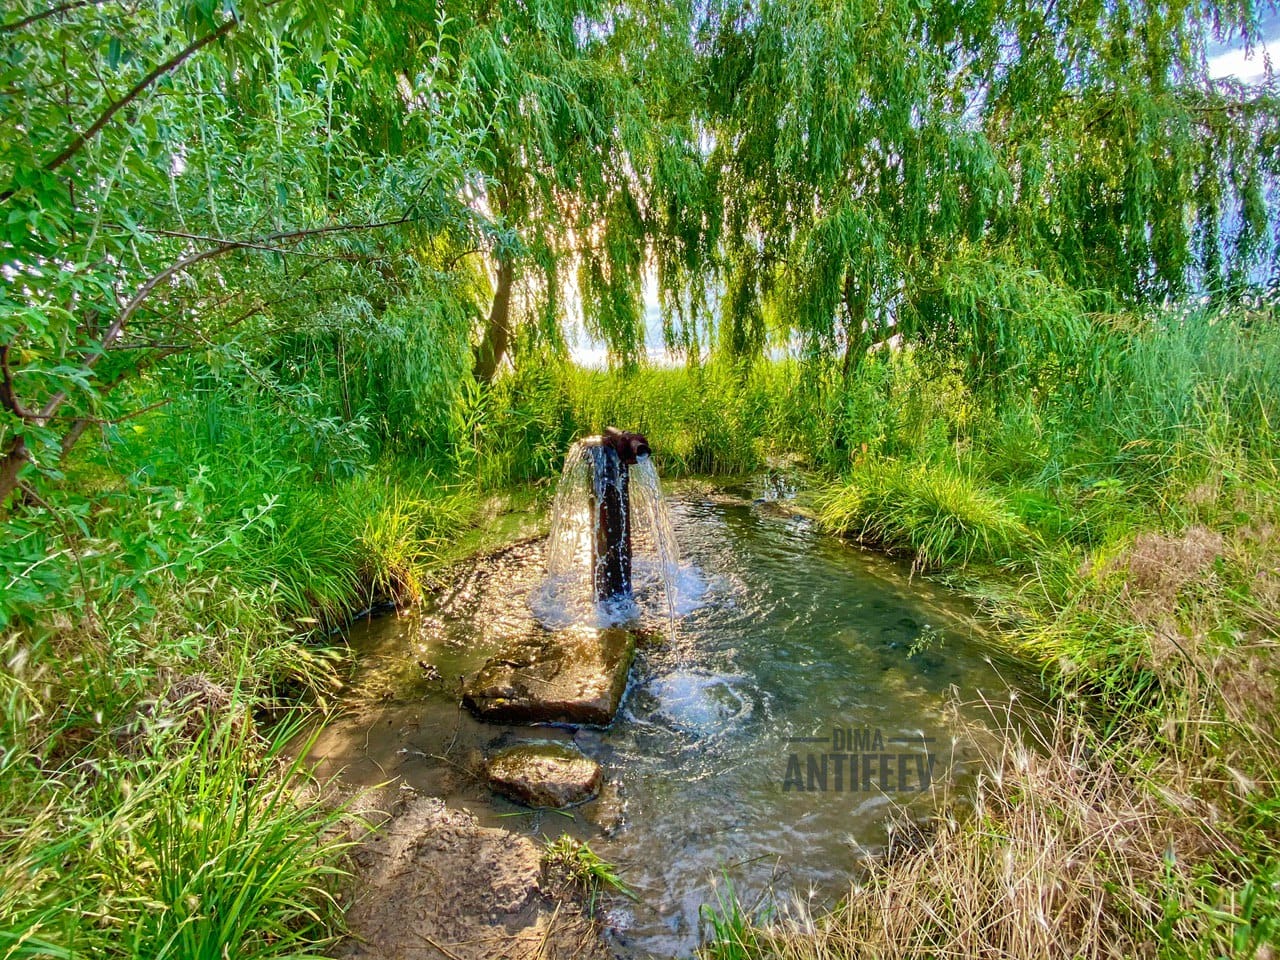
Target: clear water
point(783, 633)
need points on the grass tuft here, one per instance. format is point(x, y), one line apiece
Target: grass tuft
point(938, 515)
point(582, 866)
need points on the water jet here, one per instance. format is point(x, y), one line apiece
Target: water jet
point(572, 668)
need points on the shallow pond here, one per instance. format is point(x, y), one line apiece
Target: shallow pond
point(796, 649)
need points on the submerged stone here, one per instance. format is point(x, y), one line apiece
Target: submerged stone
point(544, 774)
point(573, 676)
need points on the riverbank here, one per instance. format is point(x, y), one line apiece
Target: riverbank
point(1143, 816)
point(162, 646)
point(1122, 535)
point(430, 881)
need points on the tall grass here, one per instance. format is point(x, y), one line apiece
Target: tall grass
point(937, 514)
point(1122, 528)
point(1065, 851)
point(190, 588)
point(171, 850)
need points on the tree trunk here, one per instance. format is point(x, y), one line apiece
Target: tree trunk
point(497, 332)
point(855, 348)
point(14, 459)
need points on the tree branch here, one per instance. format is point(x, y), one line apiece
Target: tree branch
point(117, 326)
point(169, 65)
point(46, 14)
point(17, 455)
point(263, 244)
point(80, 424)
point(8, 397)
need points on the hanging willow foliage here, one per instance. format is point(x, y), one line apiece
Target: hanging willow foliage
point(868, 153)
point(566, 95)
point(831, 173)
point(820, 171)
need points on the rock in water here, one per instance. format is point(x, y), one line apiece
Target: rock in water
point(571, 676)
point(544, 774)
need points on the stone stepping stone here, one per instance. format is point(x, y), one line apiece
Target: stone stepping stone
point(574, 676)
point(544, 774)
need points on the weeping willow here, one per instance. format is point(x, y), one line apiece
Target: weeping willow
point(833, 174)
point(565, 98)
point(971, 175)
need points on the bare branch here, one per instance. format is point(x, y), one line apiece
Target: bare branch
point(78, 427)
point(111, 421)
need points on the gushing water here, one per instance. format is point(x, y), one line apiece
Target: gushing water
point(574, 568)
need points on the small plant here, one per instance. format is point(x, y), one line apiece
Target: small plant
point(584, 867)
point(929, 638)
point(733, 934)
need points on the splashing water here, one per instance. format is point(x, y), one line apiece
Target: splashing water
point(647, 503)
point(567, 596)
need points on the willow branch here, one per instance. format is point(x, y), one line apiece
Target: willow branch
point(8, 396)
point(168, 66)
point(116, 329)
point(81, 139)
point(46, 14)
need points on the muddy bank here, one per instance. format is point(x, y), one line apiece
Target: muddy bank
point(432, 883)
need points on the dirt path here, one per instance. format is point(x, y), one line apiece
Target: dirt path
point(434, 884)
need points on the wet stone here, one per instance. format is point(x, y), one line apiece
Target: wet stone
point(544, 774)
point(574, 676)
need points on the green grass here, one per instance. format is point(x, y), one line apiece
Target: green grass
point(166, 846)
point(205, 553)
point(583, 866)
point(937, 514)
point(734, 933)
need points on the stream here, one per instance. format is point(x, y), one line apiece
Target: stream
point(792, 651)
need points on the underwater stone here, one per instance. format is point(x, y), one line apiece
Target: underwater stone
point(575, 676)
point(544, 774)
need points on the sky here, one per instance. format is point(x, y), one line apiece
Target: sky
point(1232, 61)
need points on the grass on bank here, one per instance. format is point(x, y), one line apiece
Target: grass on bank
point(1066, 849)
point(161, 640)
point(1124, 533)
point(182, 837)
point(577, 863)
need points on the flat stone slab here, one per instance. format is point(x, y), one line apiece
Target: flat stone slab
point(544, 774)
point(572, 676)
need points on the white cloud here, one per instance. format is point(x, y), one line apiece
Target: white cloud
point(1251, 67)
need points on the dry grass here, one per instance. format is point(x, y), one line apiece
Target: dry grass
point(1068, 853)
